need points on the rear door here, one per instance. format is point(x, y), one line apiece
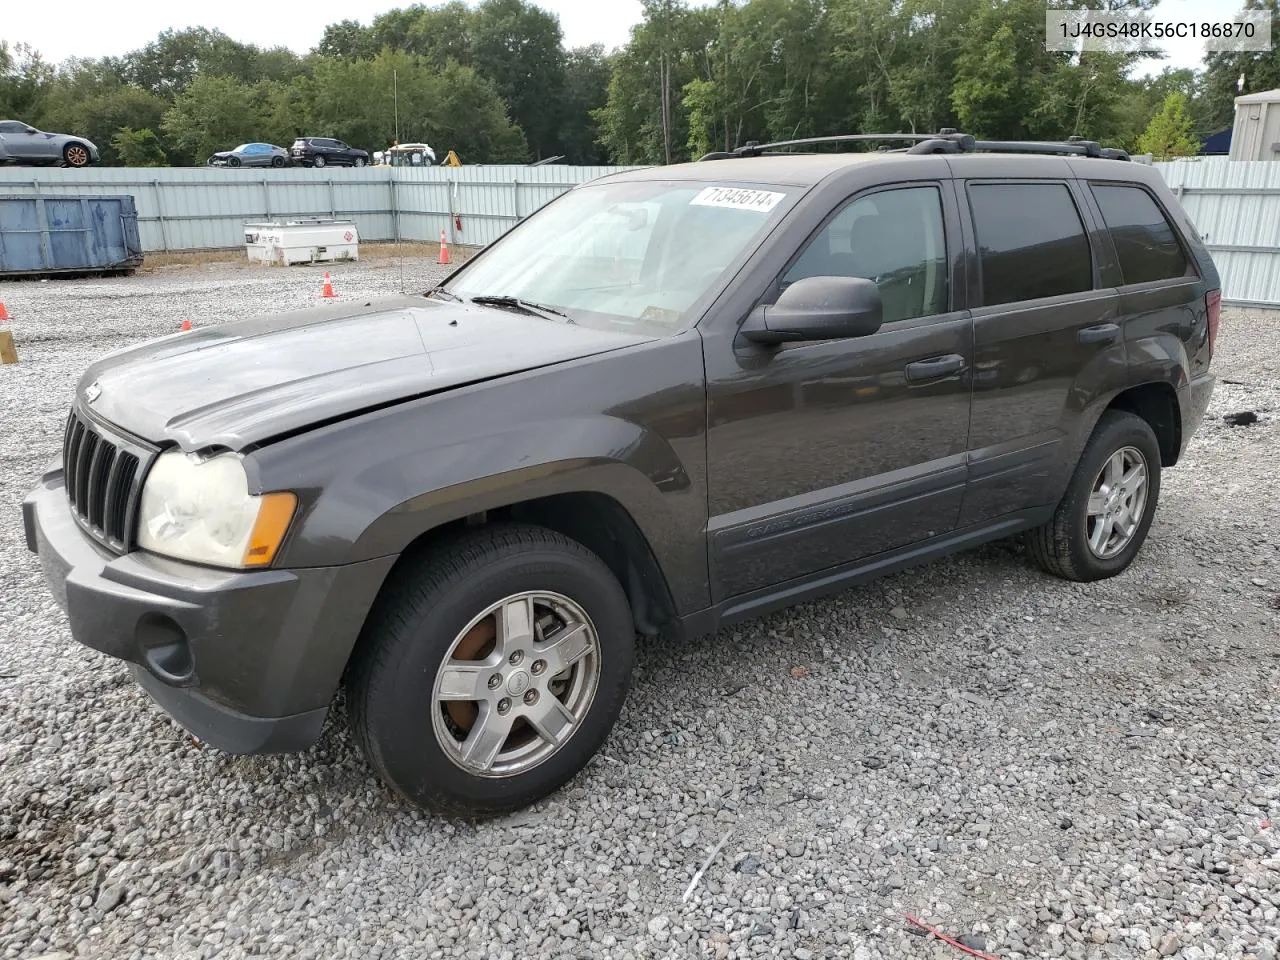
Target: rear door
point(1044, 322)
point(1161, 292)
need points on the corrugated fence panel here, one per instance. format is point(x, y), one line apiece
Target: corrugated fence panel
point(204, 208)
point(1235, 206)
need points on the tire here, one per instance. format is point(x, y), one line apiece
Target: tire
point(277, 162)
point(318, 161)
point(433, 612)
point(358, 162)
point(233, 161)
point(75, 155)
point(1067, 546)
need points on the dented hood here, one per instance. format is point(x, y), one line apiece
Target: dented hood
point(238, 384)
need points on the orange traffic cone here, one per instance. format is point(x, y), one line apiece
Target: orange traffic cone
point(186, 324)
point(4, 314)
point(327, 292)
point(444, 249)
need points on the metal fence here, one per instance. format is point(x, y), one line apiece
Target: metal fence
point(205, 208)
point(1235, 206)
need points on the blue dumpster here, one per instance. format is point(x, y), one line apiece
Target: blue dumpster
point(68, 234)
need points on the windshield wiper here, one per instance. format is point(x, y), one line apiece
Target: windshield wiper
point(442, 292)
point(528, 306)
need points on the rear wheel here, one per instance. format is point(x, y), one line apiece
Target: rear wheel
point(319, 161)
point(1103, 519)
point(491, 670)
point(75, 155)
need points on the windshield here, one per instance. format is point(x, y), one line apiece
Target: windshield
point(636, 254)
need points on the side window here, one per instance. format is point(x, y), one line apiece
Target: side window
point(1031, 241)
point(1145, 241)
point(897, 239)
point(11, 127)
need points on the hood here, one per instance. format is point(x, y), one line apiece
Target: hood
point(241, 383)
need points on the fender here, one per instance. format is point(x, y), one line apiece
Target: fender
point(369, 486)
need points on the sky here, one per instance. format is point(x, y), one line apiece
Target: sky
point(93, 28)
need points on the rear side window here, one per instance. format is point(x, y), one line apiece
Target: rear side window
point(1145, 241)
point(1031, 241)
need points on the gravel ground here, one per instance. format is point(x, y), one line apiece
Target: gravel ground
point(1041, 768)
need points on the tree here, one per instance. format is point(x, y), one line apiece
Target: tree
point(518, 47)
point(1169, 133)
point(451, 107)
point(644, 119)
point(138, 148)
point(213, 113)
point(347, 40)
point(586, 90)
point(24, 76)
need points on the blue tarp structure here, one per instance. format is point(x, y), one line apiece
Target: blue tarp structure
point(1216, 143)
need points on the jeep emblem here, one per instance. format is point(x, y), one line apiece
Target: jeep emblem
point(92, 392)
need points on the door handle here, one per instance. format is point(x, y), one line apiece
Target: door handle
point(1102, 333)
point(935, 367)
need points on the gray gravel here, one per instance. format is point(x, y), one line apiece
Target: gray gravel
point(1043, 769)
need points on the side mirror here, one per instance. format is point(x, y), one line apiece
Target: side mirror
point(818, 308)
point(32, 130)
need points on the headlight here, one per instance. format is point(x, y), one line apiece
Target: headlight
point(201, 510)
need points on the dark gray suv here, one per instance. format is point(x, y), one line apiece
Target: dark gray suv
point(671, 399)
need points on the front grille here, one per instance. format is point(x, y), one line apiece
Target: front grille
point(101, 476)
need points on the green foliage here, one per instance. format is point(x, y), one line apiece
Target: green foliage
point(1169, 133)
point(493, 81)
point(451, 107)
point(138, 148)
point(213, 113)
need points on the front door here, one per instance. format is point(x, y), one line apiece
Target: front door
point(20, 142)
point(823, 453)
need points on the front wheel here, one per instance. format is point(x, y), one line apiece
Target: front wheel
point(277, 162)
point(1103, 519)
point(491, 670)
point(319, 161)
point(76, 155)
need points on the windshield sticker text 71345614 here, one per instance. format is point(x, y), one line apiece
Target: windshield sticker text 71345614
point(737, 198)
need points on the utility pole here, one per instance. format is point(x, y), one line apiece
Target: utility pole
point(395, 102)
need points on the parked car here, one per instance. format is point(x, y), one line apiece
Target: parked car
point(252, 155)
point(671, 399)
point(23, 144)
point(323, 151)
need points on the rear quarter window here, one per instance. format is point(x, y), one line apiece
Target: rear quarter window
point(1031, 241)
point(1146, 243)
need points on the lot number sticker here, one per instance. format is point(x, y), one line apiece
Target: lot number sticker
point(737, 199)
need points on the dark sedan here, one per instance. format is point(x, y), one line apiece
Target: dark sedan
point(251, 155)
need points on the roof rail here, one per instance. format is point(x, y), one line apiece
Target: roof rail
point(946, 140)
point(1075, 146)
point(754, 149)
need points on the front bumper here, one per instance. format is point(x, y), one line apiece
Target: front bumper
point(248, 662)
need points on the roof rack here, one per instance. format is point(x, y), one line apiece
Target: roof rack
point(946, 140)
